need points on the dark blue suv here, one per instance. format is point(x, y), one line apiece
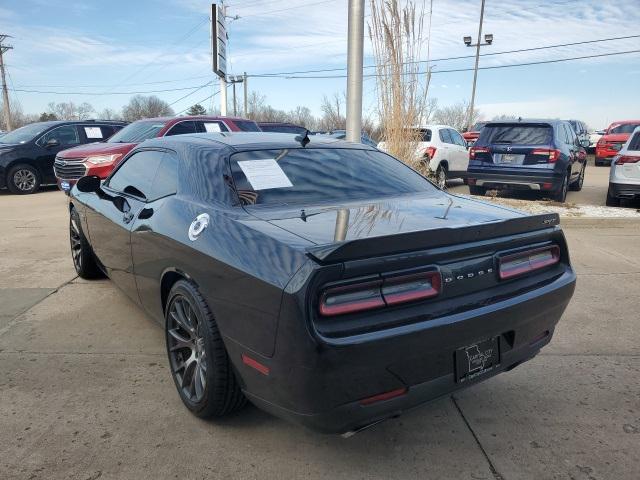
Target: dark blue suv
point(539, 155)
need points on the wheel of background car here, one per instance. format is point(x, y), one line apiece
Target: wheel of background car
point(611, 200)
point(441, 177)
point(199, 362)
point(561, 194)
point(577, 185)
point(23, 179)
point(474, 190)
point(82, 255)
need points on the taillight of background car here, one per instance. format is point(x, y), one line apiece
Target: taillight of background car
point(620, 159)
point(473, 151)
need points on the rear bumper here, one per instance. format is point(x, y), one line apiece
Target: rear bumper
point(624, 190)
point(522, 180)
point(325, 393)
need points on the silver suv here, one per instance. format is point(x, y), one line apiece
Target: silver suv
point(624, 178)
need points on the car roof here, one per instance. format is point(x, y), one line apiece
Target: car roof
point(54, 123)
point(251, 140)
point(168, 120)
point(550, 121)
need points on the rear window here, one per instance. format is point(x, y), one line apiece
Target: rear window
point(634, 144)
point(312, 176)
point(247, 126)
point(478, 126)
point(283, 129)
point(137, 132)
point(517, 134)
point(625, 128)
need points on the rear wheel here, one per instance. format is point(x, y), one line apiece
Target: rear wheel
point(577, 185)
point(441, 177)
point(473, 190)
point(611, 200)
point(198, 359)
point(23, 179)
point(83, 259)
point(561, 194)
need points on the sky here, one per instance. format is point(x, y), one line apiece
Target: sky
point(102, 52)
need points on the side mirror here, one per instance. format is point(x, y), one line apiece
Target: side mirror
point(89, 184)
point(53, 142)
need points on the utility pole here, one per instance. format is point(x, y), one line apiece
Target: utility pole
point(467, 41)
point(246, 101)
point(235, 105)
point(354, 70)
point(5, 92)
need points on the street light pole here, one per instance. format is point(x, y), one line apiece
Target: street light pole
point(467, 41)
point(354, 70)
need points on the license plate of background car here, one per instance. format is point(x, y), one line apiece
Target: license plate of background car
point(510, 158)
point(477, 359)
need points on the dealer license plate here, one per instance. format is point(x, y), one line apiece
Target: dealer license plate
point(477, 359)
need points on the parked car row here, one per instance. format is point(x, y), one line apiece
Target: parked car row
point(624, 176)
point(324, 281)
point(614, 137)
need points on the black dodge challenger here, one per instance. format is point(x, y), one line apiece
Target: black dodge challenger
point(325, 281)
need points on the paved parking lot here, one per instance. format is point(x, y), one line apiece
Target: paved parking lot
point(85, 392)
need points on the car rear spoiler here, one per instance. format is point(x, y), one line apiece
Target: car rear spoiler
point(424, 239)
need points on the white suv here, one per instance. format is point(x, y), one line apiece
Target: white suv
point(624, 176)
point(444, 150)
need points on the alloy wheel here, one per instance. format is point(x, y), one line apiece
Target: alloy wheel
point(187, 353)
point(24, 180)
point(76, 244)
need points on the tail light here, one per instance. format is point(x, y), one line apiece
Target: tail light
point(511, 266)
point(369, 295)
point(620, 159)
point(381, 397)
point(552, 155)
point(473, 151)
point(430, 152)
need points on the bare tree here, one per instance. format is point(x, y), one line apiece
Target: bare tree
point(71, 111)
point(333, 113)
point(145, 107)
point(109, 114)
point(504, 117)
point(397, 37)
point(456, 115)
point(18, 117)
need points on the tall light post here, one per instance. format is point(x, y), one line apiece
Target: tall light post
point(488, 39)
point(354, 70)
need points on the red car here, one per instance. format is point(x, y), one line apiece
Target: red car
point(100, 158)
point(472, 135)
point(613, 139)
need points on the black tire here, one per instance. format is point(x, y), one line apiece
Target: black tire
point(195, 335)
point(577, 185)
point(561, 194)
point(474, 190)
point(441, 177)
point(611, 200)
point(23, 179)
point(82, 255)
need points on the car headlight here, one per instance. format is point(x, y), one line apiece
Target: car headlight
point(102, 159)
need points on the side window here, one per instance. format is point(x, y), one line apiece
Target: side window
point(136, 174)
point(181, 128)
point(444, 135)
point(571, 136)
point(65, 135)
point(212, 126)
point(457, 138)
point(166, 181)
point(107, 131)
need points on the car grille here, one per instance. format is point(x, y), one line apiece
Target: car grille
point(69, 168)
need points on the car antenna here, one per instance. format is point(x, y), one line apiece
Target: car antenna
point(303, 140)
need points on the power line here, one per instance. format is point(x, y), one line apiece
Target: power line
point(433, 72)
point(53, 92)
point(191, 93)
point(199, 102)
point(113, 85)
point(461, 57)
point(285, 9)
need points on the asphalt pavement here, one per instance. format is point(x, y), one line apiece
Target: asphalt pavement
point(85, 392)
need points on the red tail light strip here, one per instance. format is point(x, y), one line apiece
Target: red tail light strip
point(511, 266)
point(620, 159)
point(553, 155)
point(247, 360)
point(360, 297)
point(384, 396)
point(474, 150)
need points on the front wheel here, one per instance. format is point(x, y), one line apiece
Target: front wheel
point(200, 365)
point(23, 179)
point(83, 259)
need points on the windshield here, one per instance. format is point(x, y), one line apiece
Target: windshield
point(517, 134)
point(137, 132)
point(624, 128)
point(313, 176)
point(24, 134)
point(247, 126)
